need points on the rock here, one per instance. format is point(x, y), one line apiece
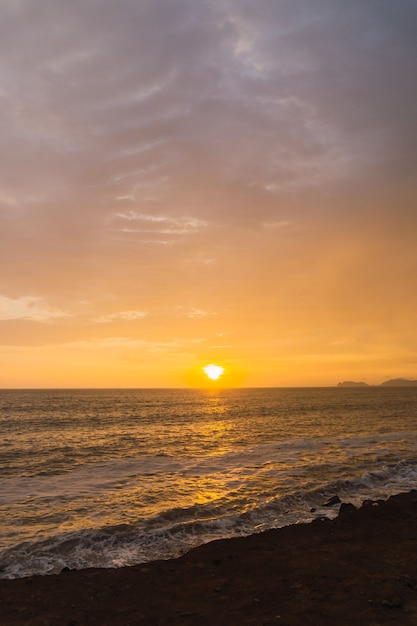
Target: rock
point(409, 581)
point(373, 502)
point(346, 508)
point(369, 502)
point(332, 501)
point(189, 614)
point(393, 603)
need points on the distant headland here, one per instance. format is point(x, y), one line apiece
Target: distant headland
point(394, 382)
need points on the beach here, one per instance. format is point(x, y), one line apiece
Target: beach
point(359, 568)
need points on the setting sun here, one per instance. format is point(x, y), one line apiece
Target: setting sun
point(213, 371)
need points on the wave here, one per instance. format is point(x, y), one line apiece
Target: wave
point(100, 475)
point(177, 530)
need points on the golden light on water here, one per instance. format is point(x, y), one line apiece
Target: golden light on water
point(213, 371)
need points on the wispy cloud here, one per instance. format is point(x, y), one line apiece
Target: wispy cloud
point(194, 312)
point(161, 224)
point(28, 308)
point(128, 344)
point(127, 316)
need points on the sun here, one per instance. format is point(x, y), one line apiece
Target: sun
point(213, 371)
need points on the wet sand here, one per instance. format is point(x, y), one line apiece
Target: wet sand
point(360, 568)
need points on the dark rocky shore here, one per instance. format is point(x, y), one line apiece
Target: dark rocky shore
point(360, 568)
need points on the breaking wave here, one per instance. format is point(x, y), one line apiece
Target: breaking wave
point(176, 530)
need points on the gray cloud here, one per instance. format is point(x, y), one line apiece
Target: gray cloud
point(120, 96)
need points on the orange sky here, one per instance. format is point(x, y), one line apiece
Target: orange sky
point(189, 182)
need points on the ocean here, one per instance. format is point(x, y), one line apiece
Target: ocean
point(107, 478)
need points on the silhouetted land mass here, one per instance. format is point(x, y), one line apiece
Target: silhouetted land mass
point(351, 383)
point(360, 568)
point(394, 382)
point(400, 382)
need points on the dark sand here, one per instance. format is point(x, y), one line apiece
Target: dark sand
point(360, 568)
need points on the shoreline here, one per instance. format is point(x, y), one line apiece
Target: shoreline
point(359, 568)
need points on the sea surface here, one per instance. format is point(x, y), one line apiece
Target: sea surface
point(107, 478)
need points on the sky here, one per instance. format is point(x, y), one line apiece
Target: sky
point(188, 182)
